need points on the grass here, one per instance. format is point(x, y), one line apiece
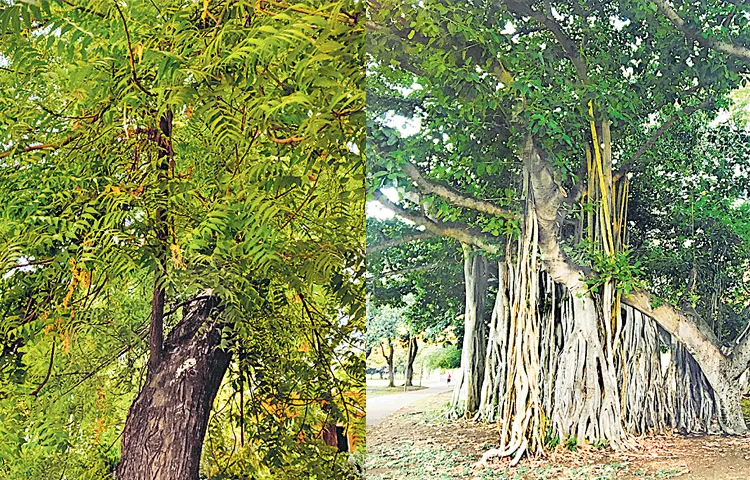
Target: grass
point(430, 460)
point(424, 461)
point(378, 391)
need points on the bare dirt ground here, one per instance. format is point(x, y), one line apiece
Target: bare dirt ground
point(417, 443)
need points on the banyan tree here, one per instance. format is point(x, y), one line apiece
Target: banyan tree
point(572, 150)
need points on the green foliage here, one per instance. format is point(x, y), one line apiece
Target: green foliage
point(571, 443)
point(260, 201)
point(551, 440)
point(601, 443)
point(445, 358)
point(692, 237)
point(383, 323)
point(424, 276)
point(619, 268)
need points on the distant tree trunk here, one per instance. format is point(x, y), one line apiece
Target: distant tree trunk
point(412, 355)
point(166, 424)
point(467, 392)
point(389, 360)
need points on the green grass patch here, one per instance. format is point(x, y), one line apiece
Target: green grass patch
point(373, 391)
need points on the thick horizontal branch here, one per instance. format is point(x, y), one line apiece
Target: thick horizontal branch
point(395, 242)
point(43, 146)
point(453, 196)
point(729, 48)
point(462, 233)
point(704, 348)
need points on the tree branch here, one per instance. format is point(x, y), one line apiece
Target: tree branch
point(625, 167)
point(130, 51)
point(453, 196)
point(459, 232)
point(49, 371)
point(548, 203)
point(568, 45)
point(43, 146)
point(395, 242)
point(720, 46)
point(702, 347)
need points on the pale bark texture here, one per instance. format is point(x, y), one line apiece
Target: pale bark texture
point(166, 425)
point(467, 392)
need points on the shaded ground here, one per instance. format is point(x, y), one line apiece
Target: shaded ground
point(416, 443)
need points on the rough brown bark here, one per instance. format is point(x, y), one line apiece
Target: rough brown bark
point(166, 424)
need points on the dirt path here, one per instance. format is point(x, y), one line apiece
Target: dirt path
point(418, 444)
point(380, 407)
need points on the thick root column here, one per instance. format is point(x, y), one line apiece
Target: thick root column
point(467, 392)
point(586, 403)
point(514, 353)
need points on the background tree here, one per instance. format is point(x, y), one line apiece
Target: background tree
point(419, 272)
point(383, 323)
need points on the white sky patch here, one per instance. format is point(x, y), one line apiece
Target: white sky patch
point(722, 117)
point(24, 267)
point(620, 23)
point(508, 29)
point(377, 210)
point(353, 148)
point(406, 126)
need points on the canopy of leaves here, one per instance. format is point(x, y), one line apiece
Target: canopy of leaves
point(472, 78)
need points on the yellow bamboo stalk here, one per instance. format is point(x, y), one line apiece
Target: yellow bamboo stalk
point(602, 184)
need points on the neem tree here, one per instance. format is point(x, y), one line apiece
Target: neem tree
point(181, 190)
point(539, 123)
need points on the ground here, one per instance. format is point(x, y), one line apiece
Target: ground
point(378, 388)
point(383, 401)
point(418, 444)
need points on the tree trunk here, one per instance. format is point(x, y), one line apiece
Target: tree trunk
point(412, 355)
point(586, 398)
point(587, 404)
point(467, 392)
point(729, 398)
point(166, 425)
point(389, 361)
